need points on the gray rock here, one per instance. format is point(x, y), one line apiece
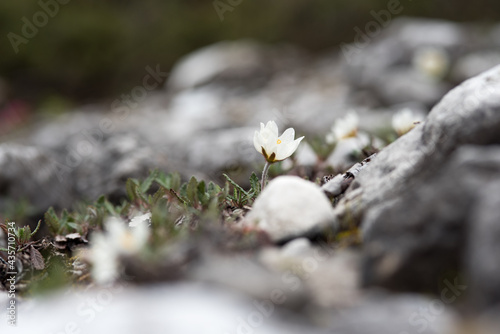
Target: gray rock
point(216, 151)
point(469, 114)
point(111, 163)
point(330, 275)
point(383, 65)
point(31, 174)
point(483, 249)
point(415, 241)
point(386, 314)
point(291, 207)
point(242, 62)
point(244, 274)
point(416, 194)
point(400, 85)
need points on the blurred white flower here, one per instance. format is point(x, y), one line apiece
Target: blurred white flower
point(106, 248)
point(104, 260)
point(140, 219)
point(433, 62)
point(273, 147)
point(343, 128)
point(405, 120)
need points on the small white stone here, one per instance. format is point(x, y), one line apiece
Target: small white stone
point(291, 207)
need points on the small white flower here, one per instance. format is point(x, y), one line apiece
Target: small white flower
point(106, 248)
point(140, 219)
point(405, 120)
point(433, 62)
point(273, 147)
point(343, 128)
point(104, 259)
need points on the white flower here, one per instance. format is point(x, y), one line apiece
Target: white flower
point(140, 219)
point(433, 62)
point(106, 248)
point(405, 120)
point(273, 147)
point(104, 259)
point(343, 128)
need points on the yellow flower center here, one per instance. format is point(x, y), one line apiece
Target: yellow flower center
point(127, 241)
point(279, 141)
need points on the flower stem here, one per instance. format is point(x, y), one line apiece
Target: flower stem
point(264, 175)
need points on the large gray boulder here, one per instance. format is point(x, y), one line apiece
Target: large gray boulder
point(469, 114)
point(483, 249)
point(417, 240)
point(415, 199)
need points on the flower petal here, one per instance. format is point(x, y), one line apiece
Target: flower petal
point(140, 235)
point(288, 135)
point(257, 143)
point(288, 149)
point(272, 150)
point(273, 127)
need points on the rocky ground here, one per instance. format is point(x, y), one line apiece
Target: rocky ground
point(411, 246)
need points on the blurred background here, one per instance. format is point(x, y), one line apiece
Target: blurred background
point(102, 103)
point(97, 49)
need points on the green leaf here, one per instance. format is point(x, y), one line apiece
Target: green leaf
point(213, 189)
point(21, 235)
point(125, 209)
point(131, 187)
point(146, 184)
point(183, 191)
point(191, 191)
point(255, 184)
point(203, 196)
point(175, 182)
point(164, 180)
point(74, 226)
point(157, 196)
point(235, 185)
point(178, 196)
point(101, 200)
point(110, 208)
point(36, 229)
point(51, 220)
